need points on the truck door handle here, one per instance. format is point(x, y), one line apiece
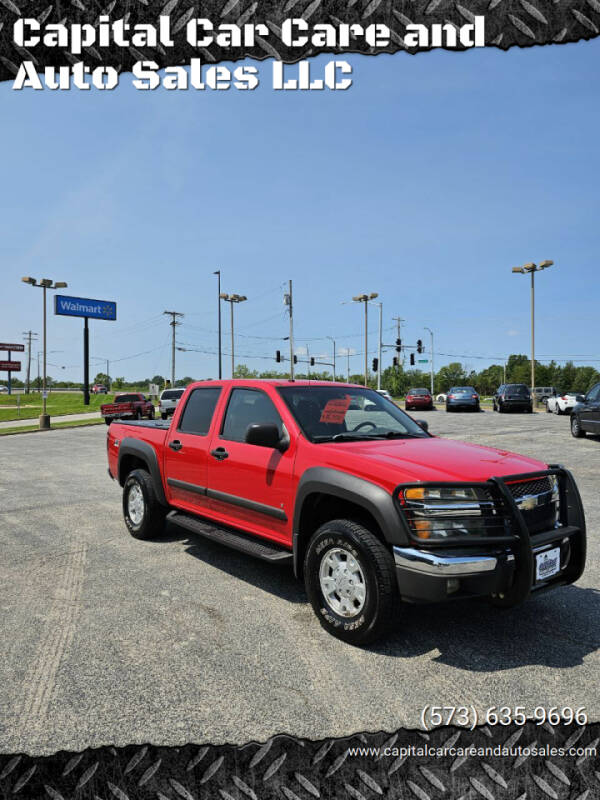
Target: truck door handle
point(175, 444)
point(220, 453)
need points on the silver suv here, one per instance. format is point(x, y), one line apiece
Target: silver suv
point(168, 401)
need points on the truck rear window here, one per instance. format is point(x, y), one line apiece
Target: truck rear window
point(127, 398)
point(171, 394)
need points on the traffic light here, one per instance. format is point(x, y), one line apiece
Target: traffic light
point(278, 356)
point(295, 359)
point(398, 345)
point(412, 359)
point(395, 361)
point(419, 346)
point(375, 364)
point(312, 361)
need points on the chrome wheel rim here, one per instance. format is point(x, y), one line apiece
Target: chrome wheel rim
point(342, 582)
point(574, 425)
point(135, 504)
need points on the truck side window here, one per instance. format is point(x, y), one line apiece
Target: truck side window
point(198, 412)
point(245, 407)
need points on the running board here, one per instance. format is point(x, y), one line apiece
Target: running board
point(246, 543)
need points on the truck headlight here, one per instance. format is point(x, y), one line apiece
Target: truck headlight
point(439, 513)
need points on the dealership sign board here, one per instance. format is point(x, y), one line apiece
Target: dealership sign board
point(20, 348)
point(84, 307)
point(10, 366)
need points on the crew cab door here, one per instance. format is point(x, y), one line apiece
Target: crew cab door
point(590, 414)
point(186, 450)
point(250, 486)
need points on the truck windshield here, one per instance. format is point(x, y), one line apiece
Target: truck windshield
point(333, 413)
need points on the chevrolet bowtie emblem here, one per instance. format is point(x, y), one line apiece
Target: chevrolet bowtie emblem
point(528, 503)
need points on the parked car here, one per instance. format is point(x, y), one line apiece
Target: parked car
point(168, 401)
point(128, 406)
point(464, 397)
point(585, 416)
point(562, 402)
point(3, 389)
point(512, 397)
point(542, 393)
point(441, 398)
point(98, 388)
point(418, 400)
point(384, 393)
point(368, 507)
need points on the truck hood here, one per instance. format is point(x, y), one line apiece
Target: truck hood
point(432, 459)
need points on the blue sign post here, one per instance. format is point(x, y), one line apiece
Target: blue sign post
point(88, 309)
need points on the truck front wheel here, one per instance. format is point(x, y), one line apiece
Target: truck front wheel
point(144, 515)
point(351, 582)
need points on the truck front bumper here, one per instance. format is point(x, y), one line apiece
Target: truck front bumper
point(435, 574)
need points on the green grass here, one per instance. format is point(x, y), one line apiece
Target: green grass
point(57, 403)
point(77, 423)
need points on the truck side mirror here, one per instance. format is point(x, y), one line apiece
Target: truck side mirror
point(263, 434)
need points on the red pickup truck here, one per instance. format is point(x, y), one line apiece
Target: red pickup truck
point(369, 507)
point(128, 406)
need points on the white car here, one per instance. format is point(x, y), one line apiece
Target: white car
point(168, 401)
point(384, 393)
point(561, 403)
point(440, 398)
point(3, 389)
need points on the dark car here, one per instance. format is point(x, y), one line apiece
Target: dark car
point(585, 416)
point(464, 397)
point(513, 397)
point(419, 399)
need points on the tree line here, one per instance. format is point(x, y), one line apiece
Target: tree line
point(396, 380)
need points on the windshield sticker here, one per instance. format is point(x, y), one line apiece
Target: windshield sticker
point(335, 410)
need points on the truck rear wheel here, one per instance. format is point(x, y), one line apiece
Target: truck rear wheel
point(351, 582)
point(144, 515)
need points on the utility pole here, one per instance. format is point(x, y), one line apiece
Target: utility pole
point(399, 321)
point(288, 300)
point(333, 340)
point(173, 324)
point(365, 298)
point(431, 357)
point(29, 336)
point(218, 274)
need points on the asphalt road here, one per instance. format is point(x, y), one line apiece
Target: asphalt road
point(108, 640)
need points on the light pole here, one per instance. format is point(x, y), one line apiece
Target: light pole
point(365, 298)
point(331, 339)
point(44, 283)
point(218, 274)
point(231, 299)
point(532, 269)
point(431, 357)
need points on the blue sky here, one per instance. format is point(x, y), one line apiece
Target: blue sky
point(425, 182)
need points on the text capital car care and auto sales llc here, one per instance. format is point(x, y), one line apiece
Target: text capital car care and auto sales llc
point(29, 33)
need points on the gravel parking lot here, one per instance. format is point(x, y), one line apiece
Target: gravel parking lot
point(108, 640)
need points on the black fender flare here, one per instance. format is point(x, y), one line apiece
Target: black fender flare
point(145, 452)
point(335, 483)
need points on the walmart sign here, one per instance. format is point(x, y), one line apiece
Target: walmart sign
point(84, 307)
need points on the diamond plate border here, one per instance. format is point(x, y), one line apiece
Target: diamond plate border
point(294, 769)
point(509, 23)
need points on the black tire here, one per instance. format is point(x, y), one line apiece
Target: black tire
point(576, 429)
point(107, 420)
point(152, 521)
point(151, 414)
point(137, 414)
point(500, 408)
point(376, 564)
point(548, 410)
point(163, 416)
